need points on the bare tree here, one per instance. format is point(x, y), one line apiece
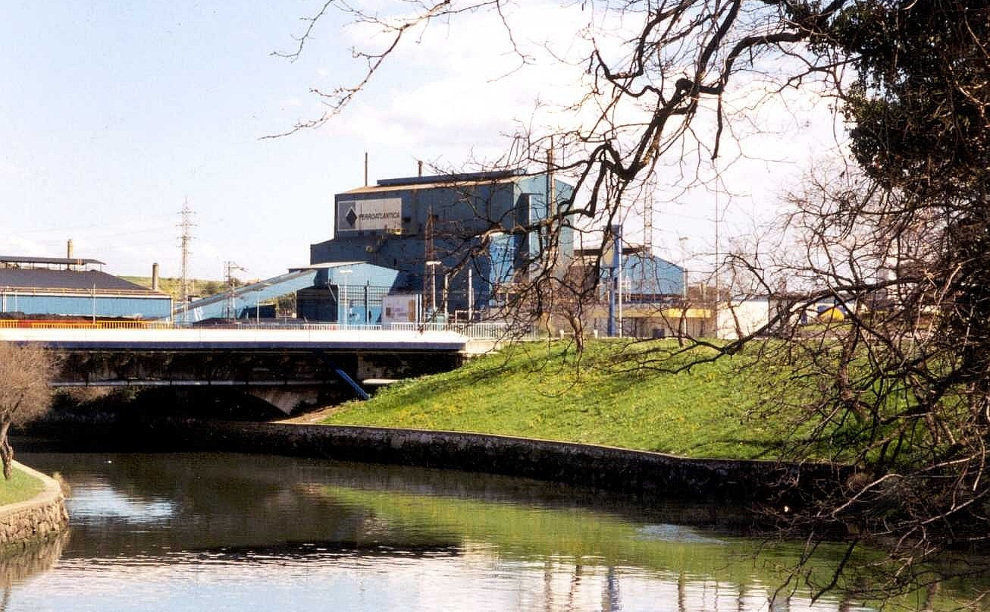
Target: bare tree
point(900, 386)
point(25, 371)
point(654, 97)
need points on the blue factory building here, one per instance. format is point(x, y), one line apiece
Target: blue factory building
point(39, 287)
point(645, 277)
point(451, 239)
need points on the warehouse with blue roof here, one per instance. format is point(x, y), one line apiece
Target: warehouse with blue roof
point(73, 287)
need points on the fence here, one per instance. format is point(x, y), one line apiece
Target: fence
point(494, 331)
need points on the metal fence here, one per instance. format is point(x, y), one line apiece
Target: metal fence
point(486, 330)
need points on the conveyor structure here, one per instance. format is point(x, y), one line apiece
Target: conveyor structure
point(241, 302)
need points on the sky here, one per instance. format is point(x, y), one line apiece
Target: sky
point(115, 114)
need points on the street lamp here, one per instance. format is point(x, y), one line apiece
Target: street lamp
point(432, 264)
point(257, 303)
point(682, 241)
point(343, 295)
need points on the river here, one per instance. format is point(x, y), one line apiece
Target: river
point(212, 531)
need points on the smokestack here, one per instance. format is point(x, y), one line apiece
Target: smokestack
point(68, 249)
point(154, 277)
point(365, 168)
point(420, 166)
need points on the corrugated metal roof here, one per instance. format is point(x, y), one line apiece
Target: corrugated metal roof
point(60, 261)
point(431, 183)
point(459, 177)
point(81, 280)
point(329, 264)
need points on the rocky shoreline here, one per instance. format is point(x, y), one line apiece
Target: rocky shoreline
point(39, 519)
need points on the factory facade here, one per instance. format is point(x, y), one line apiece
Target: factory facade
point(454, 240)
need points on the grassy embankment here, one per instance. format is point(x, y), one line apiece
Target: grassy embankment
point(20, 487)
point(614, 398)
point(173, 286)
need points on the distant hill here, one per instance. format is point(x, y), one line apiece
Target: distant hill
point(173, 286)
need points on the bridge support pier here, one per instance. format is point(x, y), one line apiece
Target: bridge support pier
point(285, 399)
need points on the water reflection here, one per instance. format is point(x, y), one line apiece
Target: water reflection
point(236, 532)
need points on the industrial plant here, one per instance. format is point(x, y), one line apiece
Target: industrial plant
point(423, 249)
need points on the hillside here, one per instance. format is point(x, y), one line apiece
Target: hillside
point(173, 286)
point(540, 390)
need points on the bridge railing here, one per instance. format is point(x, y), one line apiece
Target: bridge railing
point(487, 330)
point(49, 324)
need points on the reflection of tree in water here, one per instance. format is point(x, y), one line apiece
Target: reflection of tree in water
point(16, 566)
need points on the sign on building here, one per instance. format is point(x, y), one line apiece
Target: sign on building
point(369, 215)
point(400, 308)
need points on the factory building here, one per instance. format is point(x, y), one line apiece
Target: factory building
point(427, 229)
point(38, 287)
point(648, 294)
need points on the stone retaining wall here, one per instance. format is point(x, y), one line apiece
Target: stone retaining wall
point(41, 518)
point(651, 474)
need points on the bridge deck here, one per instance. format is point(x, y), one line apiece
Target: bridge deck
point(246, 338)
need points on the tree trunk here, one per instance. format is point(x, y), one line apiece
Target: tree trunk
point(6, 450)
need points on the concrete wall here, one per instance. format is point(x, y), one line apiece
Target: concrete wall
point(35, 520)
point(741, 318)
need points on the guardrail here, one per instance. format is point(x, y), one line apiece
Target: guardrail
point(36, 324)
point(487, 330)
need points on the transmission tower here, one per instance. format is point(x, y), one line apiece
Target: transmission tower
point(185, 238)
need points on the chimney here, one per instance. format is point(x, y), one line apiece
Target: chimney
point(154, 277)
point(68, 249)
point(420, 165)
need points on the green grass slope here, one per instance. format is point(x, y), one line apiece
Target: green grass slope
point(21, 487)
point(615, 396)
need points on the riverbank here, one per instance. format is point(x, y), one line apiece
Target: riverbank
point(615, 394)
point(608, 419)
point(32, 509)
point(647, 476)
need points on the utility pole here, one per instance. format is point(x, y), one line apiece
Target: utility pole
point(185, 238)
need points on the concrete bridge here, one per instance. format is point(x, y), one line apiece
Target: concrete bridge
point(281, 365)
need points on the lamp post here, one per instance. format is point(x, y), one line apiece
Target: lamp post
point(470, 295)
point(432, 265)
point(615, 276)
point(257, 303)
point(343, 295)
